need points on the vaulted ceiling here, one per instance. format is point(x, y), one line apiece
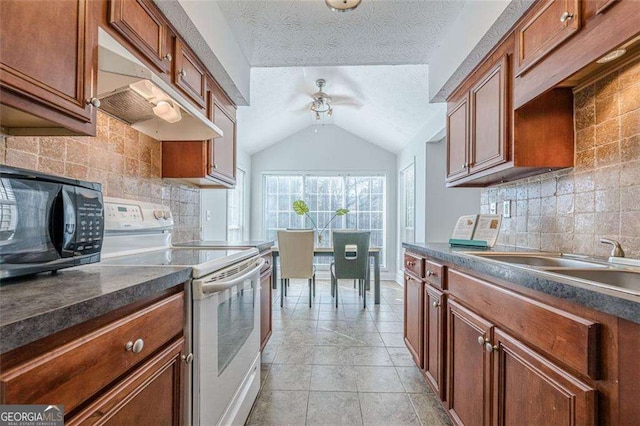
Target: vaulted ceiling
point(305, 32)
point(376, 54)
point(387, 105)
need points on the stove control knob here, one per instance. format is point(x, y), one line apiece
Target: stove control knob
point(158, 214)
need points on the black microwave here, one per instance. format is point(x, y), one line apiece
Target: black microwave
point(47, 222)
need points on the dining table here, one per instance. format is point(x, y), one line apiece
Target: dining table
point(374, 253)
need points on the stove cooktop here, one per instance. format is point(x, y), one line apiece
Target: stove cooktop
point(203, 261)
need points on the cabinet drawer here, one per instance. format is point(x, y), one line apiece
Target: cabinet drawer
point(75, 371)
point(414, 265)
point(551, 23)
point(434, 274)
point(566, 337)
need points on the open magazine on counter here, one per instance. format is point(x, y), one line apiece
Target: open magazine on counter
point(478, 230)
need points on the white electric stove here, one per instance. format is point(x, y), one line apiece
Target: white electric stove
point(222, 330)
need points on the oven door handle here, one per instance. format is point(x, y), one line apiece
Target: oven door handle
point(202, 288)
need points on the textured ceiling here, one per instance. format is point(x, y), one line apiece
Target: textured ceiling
point(307, 33)
point(393, 103)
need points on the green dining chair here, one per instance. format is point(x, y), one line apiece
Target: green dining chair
point(349, 263)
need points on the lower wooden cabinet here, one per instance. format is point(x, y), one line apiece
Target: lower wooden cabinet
point(468, 366)
point(414, 317)
point(528, 386)
point(434, 312)
point(265, 306)
point(150, 395)
point(123, 368)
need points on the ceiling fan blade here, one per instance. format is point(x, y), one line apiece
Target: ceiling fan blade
point(348, 103)
point(305, 108)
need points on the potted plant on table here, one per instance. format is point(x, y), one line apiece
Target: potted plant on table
point(302, 209)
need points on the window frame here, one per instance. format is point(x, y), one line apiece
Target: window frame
point(242, 204)
point(344, 175)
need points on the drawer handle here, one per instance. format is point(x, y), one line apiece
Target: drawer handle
point(168, 57)
point(135, 347)
point(410, 263)
point(431, 274)
point(187, 358)
point(183, 73)
point(566, 16)
point(436, 304)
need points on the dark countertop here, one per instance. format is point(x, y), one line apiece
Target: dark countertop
point(623, 306)
point(260, 245)
point(39, 306)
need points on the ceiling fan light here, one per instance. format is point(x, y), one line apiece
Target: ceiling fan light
point(342, 5)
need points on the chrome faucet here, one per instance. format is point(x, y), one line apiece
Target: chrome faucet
point(616, 251)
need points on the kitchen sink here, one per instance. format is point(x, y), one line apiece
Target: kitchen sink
point(540, 260)
point(624, 280)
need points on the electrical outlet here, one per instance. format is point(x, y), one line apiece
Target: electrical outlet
point(506, 208)
point(493, 208)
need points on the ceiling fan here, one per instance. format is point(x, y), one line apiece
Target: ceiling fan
point(323, 103)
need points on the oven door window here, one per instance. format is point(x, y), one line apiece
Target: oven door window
point(27, 211)
point(235, 321)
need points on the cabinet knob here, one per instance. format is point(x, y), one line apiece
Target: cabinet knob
point(410, 263)
point(183, 73)
point(168, 57)
point(482, 340)
point(465, 165)
point(566, 16)
point(489, 347)
point(436, 304)
point(135, 347)
point(187, 358)
point(94, 102)
point(215, 165)
point(430, 273)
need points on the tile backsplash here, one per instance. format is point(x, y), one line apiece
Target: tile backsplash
point(570, 210)
point(127, 163)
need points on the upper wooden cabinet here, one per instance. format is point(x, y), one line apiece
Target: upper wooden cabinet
point(46, 66)
point(488, 142)
point(222, 158)
point(189, 75)
point(458, 139)
point(489, 118)
point(548, 25)
point(140, 24)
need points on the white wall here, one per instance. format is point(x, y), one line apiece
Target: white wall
point(214, 201)
point(474, 20)
point(330, 149)
point(210, 22)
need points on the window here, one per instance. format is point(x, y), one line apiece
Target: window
point(235, 209)
point(407, 203)
point(407, 208)
point(364, 196)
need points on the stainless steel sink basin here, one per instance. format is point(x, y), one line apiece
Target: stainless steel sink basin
point(625, 280)
point(540, 260)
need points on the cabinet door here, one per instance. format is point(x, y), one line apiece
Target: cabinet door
point(489, 112)
point(151, 395)
point(433, 338)
point(414, 317)
point(458, 139)
point(48, 53)
point(140, 24)
point(529, 387)
point(265, 309)
point(468, 366)
point(189, 75)
point(223, 149)
point(602, 5)
point(551, 23)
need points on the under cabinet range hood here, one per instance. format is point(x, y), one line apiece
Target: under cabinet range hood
point(131, 92)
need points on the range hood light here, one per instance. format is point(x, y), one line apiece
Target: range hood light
point(611, 56)
point(166, 111)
